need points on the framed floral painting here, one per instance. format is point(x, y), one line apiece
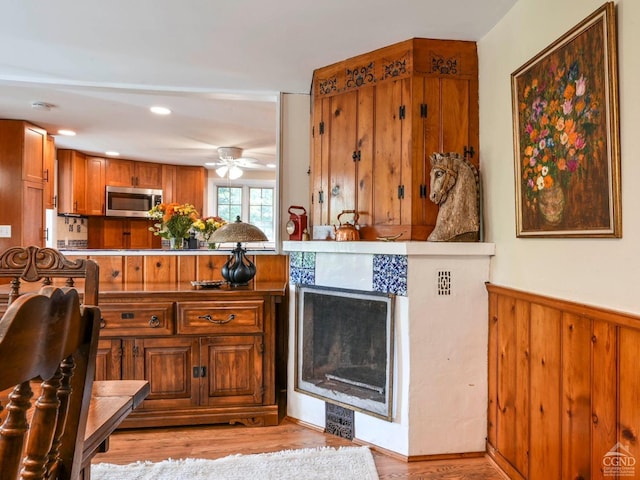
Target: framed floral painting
point(566, 135)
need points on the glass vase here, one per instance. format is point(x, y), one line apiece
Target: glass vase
point(176, 243)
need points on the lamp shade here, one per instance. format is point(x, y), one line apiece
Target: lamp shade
point(238, 270)
point(238, 232)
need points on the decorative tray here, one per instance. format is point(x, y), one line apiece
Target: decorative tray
point(208, 283)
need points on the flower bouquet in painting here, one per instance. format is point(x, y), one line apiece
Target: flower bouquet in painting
point(173, 222)
point(566, 141)
point(204, 228)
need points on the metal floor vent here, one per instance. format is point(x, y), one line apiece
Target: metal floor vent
point(339, 421)
point(444, 282)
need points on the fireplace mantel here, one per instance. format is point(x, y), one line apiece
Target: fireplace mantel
point(440, 355)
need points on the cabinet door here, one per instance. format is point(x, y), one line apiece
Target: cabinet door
point(113, 233)
point(95, 186)
point(72, 177)
point(148, 175)
point(33, 214)
point(189, 186)
point(49, 172)
point(234, 373)
point(342, 145)
point(319, 168)
point(140, 237)
point(169, 365)
point(33, 160)
point(119, 173)
point(169, 183)
point(109, 359)
point(393, 140)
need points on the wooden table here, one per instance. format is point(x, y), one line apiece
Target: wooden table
point(111, 402)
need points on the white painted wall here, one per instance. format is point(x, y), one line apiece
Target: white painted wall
point(295, 149)
point(600, 272)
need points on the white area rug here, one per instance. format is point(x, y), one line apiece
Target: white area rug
point(346, 463)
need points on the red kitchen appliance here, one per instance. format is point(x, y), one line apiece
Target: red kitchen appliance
point(297, 223)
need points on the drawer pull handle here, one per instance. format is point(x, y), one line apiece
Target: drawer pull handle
point(208, 318)
point(154, 321)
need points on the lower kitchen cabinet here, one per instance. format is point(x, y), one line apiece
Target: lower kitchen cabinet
point(209, 356)
point(121, 233)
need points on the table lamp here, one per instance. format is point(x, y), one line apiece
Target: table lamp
point(238, 270)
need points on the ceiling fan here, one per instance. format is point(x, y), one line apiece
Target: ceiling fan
point(232, 162)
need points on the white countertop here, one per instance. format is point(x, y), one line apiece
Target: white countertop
point(392, 248)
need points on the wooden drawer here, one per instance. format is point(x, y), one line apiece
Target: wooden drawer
point(136, 319)
point(220, 317)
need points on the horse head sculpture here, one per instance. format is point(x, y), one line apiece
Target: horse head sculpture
point(454, 186)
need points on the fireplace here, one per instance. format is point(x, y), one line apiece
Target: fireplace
point(344, 347)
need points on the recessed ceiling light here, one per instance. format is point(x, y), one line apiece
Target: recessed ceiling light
point(68, 133)
point(160, 110)
point(111, 153)
point(271, 165)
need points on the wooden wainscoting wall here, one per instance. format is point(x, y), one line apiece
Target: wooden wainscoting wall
point(564, 386)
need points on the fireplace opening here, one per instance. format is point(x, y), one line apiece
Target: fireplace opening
point(344, 347)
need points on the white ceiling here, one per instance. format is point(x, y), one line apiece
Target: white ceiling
point(219, 65)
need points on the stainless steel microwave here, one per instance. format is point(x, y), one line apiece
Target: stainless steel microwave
point(131, 201)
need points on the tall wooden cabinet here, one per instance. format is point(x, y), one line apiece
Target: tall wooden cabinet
point(376, 119)
point(22, 148)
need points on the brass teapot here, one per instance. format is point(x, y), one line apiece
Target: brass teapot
point(347, 231)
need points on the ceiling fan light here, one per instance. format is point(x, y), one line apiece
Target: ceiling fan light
point(222, 171)
point(235, 172)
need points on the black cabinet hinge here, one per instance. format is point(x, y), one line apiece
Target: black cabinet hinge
point(403, 112)
point(356, 155)
point(400, 191)
point(468, 151)
point(199, 372)
point(320, 196)
point(423, 110)
point(321, 128)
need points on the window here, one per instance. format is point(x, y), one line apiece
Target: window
point(253, 203)
point(229, 203)
point(261, 209)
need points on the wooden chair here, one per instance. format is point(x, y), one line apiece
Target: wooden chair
point(46, 337)
point(32, 264)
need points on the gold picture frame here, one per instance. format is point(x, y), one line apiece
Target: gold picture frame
point(566, 134)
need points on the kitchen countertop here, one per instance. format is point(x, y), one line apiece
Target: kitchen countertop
point(82, 252)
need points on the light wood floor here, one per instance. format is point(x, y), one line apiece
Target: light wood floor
point(218, 441)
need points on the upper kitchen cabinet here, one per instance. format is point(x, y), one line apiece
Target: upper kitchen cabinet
point(130, 173)
point(183, 184)
point(72, 182)
point(80, 183)
point(376, 120)
point(22, 147)
point(95, 189)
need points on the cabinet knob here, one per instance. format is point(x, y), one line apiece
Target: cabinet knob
point(103, 322)
point(209, 318)
point(154, 321)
